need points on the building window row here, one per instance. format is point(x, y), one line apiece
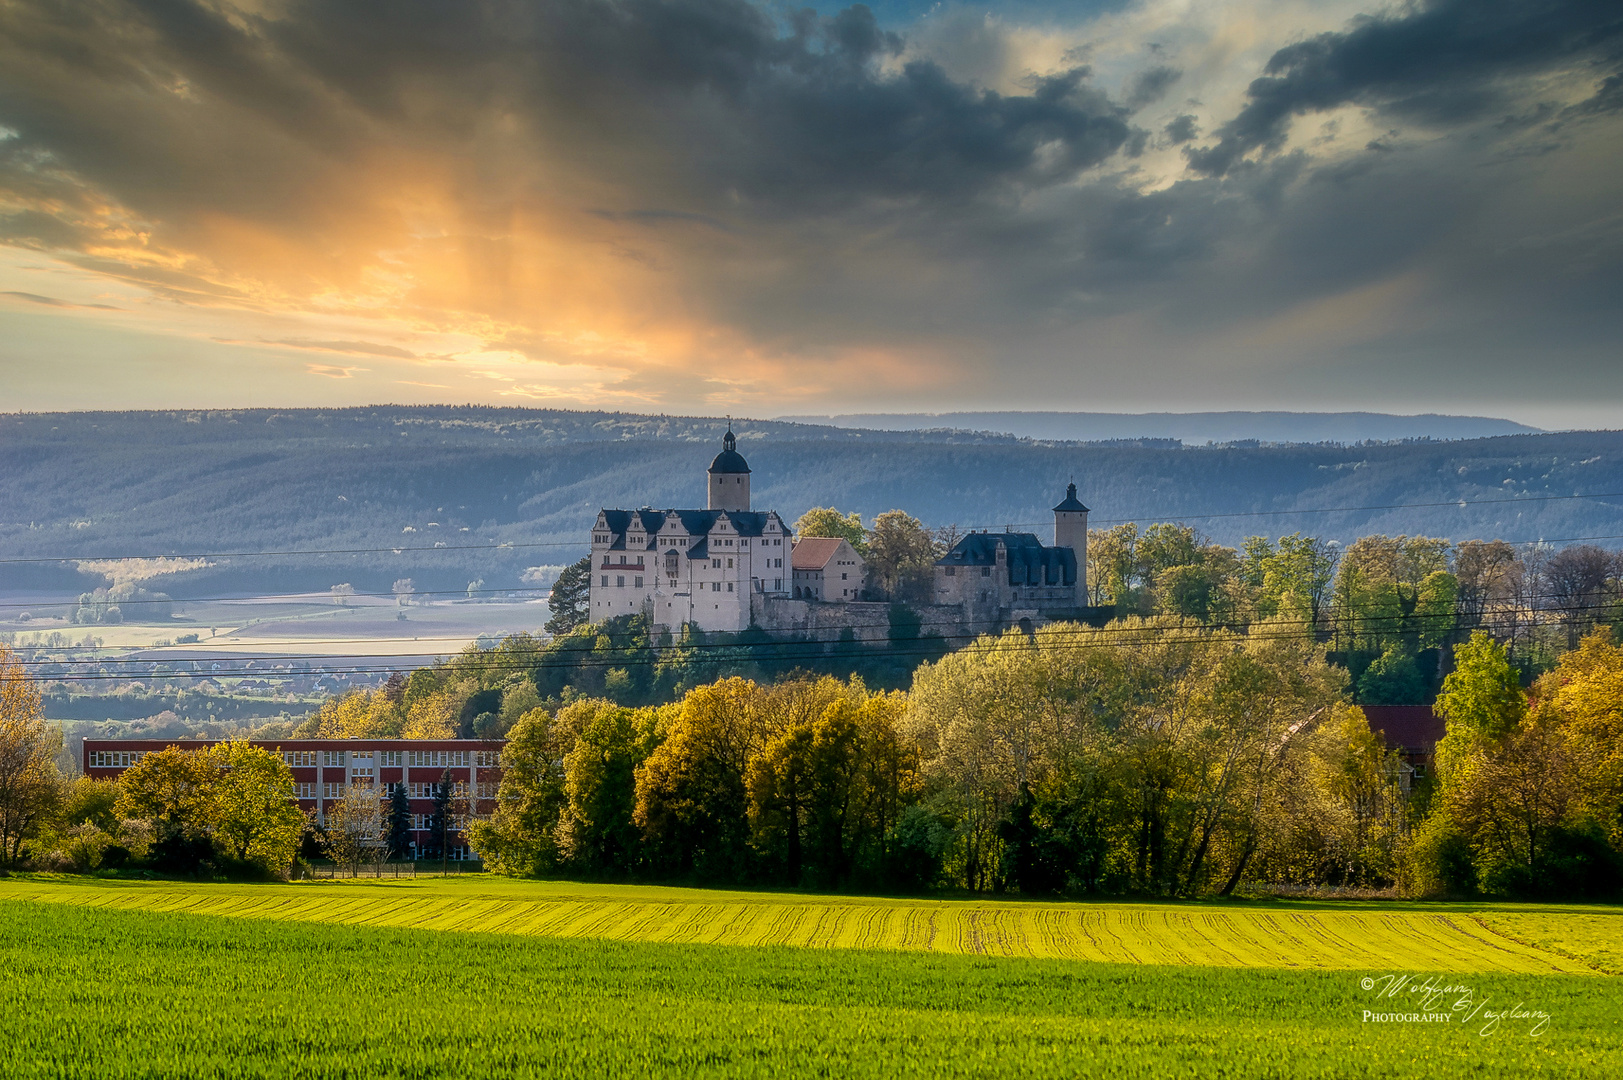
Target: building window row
point(299, 757)
point(441, 758)
point(115, 759)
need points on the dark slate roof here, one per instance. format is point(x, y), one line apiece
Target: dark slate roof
point(620, 520)
point(729, 460)
point(1029, 562)
point(1071, 503)
point(697, 523)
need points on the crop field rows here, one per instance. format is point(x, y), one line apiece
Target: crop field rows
point(120, 988)
point(1243, 937)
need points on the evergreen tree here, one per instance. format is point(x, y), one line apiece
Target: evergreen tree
point(399, 831)
point(571, 598)
point(441, 824)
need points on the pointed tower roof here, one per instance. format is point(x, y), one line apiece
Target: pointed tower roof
point(729, 460)
point(1071, 504)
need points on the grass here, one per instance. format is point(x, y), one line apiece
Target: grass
point(1294, 934)
point(101, 992)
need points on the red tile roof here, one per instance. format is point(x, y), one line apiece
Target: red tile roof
point(814, 552)
point(1406, 727)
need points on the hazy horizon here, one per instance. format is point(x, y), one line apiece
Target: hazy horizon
point(728, 206)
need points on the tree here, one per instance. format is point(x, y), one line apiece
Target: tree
point(1395, 589)
point(231, 800)
point(571, 598)
point(1114, 573)
point(91, 801)
point(597, 831)
point(30, 787)
point(355, 830)
point(252, 813)
point(360, 714)
point(1576, 579)
point(1486, 570)
point(901, 557)
point(341, 594)
point(399, 826)
point(692, 792)
point(404, 589)
point(1393, 679)
point(520, 839)
point(1291, 578)
point(1483, 694)
point(170, 788)
point(433, 716)
point(442, 822)
point(827, 521)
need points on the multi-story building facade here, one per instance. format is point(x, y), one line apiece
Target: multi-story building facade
point(692, 566)
point(827, 568)
point(324, 768)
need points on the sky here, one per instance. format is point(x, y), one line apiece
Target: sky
point(756, 208)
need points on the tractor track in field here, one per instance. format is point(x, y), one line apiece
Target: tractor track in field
point(1150, 934)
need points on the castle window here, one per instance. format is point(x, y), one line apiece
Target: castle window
point(639, 583)
point(605, 578)
point(619, 580)
point(952, 571)
point(986, 571)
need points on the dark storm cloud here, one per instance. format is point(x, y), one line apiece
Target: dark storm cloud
point(1182, 128)
point(1442, 63)
point(792, 114)
point(801, 183)
point(1151, 86)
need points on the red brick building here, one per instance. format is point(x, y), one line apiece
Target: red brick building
point(323, 768)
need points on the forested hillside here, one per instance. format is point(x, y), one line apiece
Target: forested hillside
point(88, 485)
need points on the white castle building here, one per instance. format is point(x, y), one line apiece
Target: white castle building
point(692, 566)
point(728, 568)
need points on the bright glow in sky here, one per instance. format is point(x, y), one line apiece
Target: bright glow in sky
point(710, 205)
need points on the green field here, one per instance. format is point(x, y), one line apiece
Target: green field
point(479, 976)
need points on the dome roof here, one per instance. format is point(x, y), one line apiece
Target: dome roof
point(729, 460)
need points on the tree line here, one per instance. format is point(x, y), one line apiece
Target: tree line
point(1152, 757)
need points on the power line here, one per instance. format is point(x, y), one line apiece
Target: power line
point(1248, 616)
point(789, 651)
point(513, 546)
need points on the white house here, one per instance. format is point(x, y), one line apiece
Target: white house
point(827, 568)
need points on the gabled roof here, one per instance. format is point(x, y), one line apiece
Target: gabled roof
point(1071, 505)
point(1029, 563)
point(1406, 727)
point(699, 523)
point(619, 521)
point(815, 552)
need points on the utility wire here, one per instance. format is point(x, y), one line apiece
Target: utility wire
point(806, 650)
point(1245, 618)
point(968, 528)
point(313, 599)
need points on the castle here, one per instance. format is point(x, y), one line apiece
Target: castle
point(728, 568)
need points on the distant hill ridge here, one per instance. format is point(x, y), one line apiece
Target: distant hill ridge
point(1195, 428)
point(89, 485)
